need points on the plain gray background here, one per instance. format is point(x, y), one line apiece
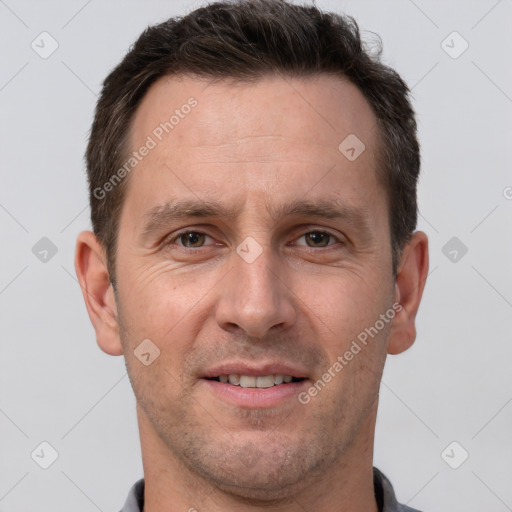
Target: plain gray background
point(454, 385)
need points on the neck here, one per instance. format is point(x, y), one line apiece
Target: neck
point(347, 486)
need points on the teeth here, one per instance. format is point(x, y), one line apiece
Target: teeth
point(250, 381)
point(265, 382)
point(247, 382)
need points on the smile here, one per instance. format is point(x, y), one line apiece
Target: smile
point(252, 381)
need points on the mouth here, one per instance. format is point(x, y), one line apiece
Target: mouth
point(251, 386)
point(256, 381)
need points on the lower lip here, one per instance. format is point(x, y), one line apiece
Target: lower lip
point(254, 398)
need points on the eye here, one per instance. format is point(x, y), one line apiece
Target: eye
point(190, 239)
point(318, 239)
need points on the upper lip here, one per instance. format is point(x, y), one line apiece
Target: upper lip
point(255, 369)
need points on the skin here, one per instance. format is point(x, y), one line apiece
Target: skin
point(303, 300)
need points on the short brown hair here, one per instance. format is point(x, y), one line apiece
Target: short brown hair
point(246, 40)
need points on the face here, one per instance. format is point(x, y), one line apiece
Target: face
point(251, 245)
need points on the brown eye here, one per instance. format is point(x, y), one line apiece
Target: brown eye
point(192, 239)
point(317, 239)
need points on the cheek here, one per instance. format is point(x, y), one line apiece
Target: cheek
point(163, 305)
point(156, 298)
point(344, 303)
point(343, 315)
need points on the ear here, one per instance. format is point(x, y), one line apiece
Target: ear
point(410, 281)
point(92, 273)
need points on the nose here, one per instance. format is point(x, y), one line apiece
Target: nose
point(254, 297)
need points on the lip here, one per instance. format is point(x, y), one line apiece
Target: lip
point(255, 370)
point(256, 398)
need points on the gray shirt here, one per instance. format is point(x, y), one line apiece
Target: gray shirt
point(384, 494)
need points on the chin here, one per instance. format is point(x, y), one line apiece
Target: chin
point(271, 473)
point(260, 484)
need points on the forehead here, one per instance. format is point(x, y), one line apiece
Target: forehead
point(226, 111)
point(279, 134)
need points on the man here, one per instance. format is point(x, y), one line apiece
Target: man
point(252, 176)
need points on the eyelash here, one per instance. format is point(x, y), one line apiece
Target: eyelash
point(177, 236)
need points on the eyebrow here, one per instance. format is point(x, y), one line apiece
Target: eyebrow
point(160, 217)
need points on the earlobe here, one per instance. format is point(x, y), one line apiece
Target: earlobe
point(97, 291)
point(410, 282)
